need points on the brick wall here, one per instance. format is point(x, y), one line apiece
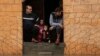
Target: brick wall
point(10, 28)
point(82, 27)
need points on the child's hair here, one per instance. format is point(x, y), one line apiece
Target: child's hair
point(40, 21)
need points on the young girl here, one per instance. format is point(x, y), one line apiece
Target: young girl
point(43, 33)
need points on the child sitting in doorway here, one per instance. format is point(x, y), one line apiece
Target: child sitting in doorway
point(43, 31)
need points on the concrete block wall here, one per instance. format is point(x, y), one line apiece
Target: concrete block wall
point(81, 27)
point(10, 28)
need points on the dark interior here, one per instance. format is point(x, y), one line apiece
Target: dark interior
point(42, 8)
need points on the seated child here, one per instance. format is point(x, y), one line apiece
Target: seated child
point(46, 34)
point(43, 33)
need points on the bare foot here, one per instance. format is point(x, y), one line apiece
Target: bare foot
point(57, 42)
point(33, 40)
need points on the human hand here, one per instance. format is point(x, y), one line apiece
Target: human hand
point(51, 27)
point(61, 25)
point(36, 25)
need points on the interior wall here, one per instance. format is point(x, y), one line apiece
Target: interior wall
point(11, 28)
point(82, 27)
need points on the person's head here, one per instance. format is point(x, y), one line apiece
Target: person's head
point(41, 21)
point(28, 9)
point(58, 11)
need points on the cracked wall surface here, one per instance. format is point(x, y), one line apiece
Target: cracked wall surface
point(10, 28)
point(81, 27)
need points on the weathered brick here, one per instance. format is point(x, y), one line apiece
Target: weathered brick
point(17, 7)
point(79, 15)
point(92, 15)
point(72, 15)
point(6, 1)
point(9, 8)
point(18, 1)
point(95, 8)
point(76, 2)
point(10, 21)
point(71, 2)
point(97, 15)
point(67, 2)
point(98, 1)
point(88, 1)
point(86, 15)
point(68, 8)
point(82, 8)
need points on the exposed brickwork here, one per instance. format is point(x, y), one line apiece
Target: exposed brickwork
point(10, 28)
point(82, 27)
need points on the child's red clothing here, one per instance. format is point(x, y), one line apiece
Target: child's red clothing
point(40, 34)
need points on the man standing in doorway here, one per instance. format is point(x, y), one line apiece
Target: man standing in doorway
point(29, 21)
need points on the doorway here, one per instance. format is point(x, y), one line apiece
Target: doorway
point(43, 9)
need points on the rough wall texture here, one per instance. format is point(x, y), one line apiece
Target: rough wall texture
point(82, 27)
point(10, 28)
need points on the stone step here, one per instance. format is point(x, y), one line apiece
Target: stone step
point(45, 54)
point(43, 49)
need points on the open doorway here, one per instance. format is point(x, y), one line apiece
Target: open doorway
point(42, 8)
point(39, 33)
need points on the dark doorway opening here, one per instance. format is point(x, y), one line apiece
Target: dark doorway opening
point(42, 8)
